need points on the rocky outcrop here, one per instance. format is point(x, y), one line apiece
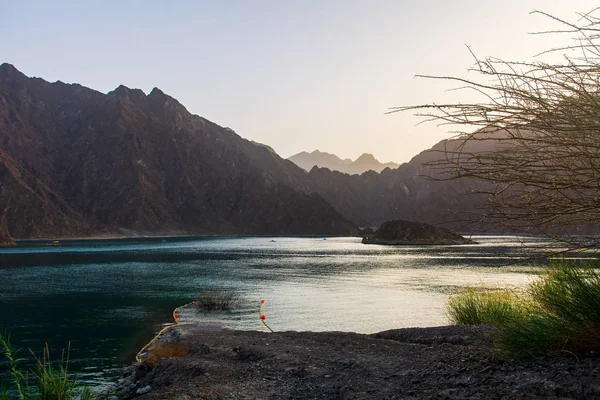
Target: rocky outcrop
point(400, 232)
point(6, 240)
point(77, 162)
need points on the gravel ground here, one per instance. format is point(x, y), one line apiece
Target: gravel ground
point(450, 362)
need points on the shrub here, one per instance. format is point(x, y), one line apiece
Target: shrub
point(216, 300)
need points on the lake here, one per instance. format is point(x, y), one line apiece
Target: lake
point(109, 297)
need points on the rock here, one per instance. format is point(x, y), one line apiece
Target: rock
point(5, 239)
point(399, 232)
point(144, 390)
point(112, 398)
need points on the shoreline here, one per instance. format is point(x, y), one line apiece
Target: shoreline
point(453, 362)
point(201, 236)
point(185, 237)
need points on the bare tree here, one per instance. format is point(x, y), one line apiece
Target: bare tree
point(535, 135)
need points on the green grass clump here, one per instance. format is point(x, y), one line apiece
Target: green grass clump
point(212, 300)
point(572, 293)
point(51, 381)
point(560, 313)
point(538, 334)
point(492, 307)
point(16, 375)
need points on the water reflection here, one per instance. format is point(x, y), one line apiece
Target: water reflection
point(109, 297)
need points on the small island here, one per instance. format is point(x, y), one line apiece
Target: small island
point(399, 232)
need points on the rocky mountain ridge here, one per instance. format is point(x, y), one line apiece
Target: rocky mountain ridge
point(77, 162)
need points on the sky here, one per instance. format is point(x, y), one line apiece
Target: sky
point(295, 75)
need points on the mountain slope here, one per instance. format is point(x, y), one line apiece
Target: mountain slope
point(76, 162)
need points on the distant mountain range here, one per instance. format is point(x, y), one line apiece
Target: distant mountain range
point(366, 162)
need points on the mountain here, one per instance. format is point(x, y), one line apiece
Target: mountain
point(406, 193)
point(75, 162)
point(364, 163)
point(367, 162)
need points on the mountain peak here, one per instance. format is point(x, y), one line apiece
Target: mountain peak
point(9, 71)
point(366, 157)
point(156, 92)
point(158, 95)
point(123, 90)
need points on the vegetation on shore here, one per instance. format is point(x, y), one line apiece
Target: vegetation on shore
point(212, 300)
point(50, 381)
point(560, 312)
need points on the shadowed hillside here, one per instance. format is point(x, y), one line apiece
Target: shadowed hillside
point(76, 162)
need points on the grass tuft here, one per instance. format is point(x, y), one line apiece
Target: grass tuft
point(561, 312)
point(16, 375)
point(52, 381)
point(539, 334)
point(492, 307)
point(213, 300)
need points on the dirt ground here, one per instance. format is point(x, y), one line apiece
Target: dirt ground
point(451, 362)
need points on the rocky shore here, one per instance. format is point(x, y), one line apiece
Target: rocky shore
point(450, 362)
point(6, 240)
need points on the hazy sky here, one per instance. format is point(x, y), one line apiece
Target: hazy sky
point(296, 75)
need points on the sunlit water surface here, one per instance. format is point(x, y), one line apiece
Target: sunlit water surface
point(109, 297)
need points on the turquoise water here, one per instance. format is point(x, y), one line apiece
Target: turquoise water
point(109, 297)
